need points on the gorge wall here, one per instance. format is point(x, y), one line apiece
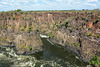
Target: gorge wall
point(78, 31)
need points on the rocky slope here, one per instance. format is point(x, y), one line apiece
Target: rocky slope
point(78, 31)
point(24, 43)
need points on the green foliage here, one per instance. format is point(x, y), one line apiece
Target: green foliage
point(13, 18)
point(18, 10)
point(94, 22)
point(90, 34)
point(83, 18)
point(30, 48)
point(86, 34)
point(62, 41)
point(44, 31)
point(9, 18)
point(85, 11)
point(25, 26)
point(98, 36)
point(21, 12)
point(77, 18)
point(89, 28)
point(76, 44)
point(10, 43)
point(26, 18)
point(15, 12)
point(29, 28)
point(3, 39)
point(57, 26)
point(97, 20)
point(22, 28)
point(70, 30)
point(60, 21)
point(95, 61)
point(53, 29)
point(37, 30)
point(66, 24)
point(50, 34)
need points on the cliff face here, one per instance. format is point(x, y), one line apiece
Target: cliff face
point(79, 31)
point(24, 43)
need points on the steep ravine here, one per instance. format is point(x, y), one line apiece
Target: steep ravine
point(51, 56)
point(77, 31)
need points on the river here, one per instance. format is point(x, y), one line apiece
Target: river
point(52, 56)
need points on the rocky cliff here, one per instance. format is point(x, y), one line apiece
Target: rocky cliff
point(78, 31)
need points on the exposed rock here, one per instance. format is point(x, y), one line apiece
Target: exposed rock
point(78, 31)
point(89, 66)
point(89, 48)
point(25, 43)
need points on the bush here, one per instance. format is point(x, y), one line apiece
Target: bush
point(95, 61)
point(9, 18)
point(90, 34)
point(96, 21)
point(50, 34)
point(85, 11)
point(89, 28)
point(62, 41)
point(13, 18)
point(77, 18)
point(30, 48)
point(98, 36)
point(66, 24)
point(70, 30)
point(60, 21)
point(37, 30)
point(25, 26)
point(18, 10)
point(22, 28)
point(44, 31)
point(30, 29)
point(83, 18)
point(10, 43)
point(57, 26)
point(76, 44)
point(21, 12)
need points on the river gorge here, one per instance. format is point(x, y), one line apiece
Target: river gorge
point(51, 56)
point(69, 38)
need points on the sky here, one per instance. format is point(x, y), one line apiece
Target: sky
point(27, 5)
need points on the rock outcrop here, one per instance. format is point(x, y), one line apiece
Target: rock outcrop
point(24, 43)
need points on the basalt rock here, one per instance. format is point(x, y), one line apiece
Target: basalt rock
point(77, 31)
point(24, 43)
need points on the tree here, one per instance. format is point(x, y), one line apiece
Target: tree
point(18, 10)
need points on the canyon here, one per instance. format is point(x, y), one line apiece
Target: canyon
point(78, 31)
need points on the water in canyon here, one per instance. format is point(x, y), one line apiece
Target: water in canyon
point(52, 56)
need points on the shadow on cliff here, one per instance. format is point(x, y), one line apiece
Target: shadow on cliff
point(5, 63)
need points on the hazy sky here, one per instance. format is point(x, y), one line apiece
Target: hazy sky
point(6, 5)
